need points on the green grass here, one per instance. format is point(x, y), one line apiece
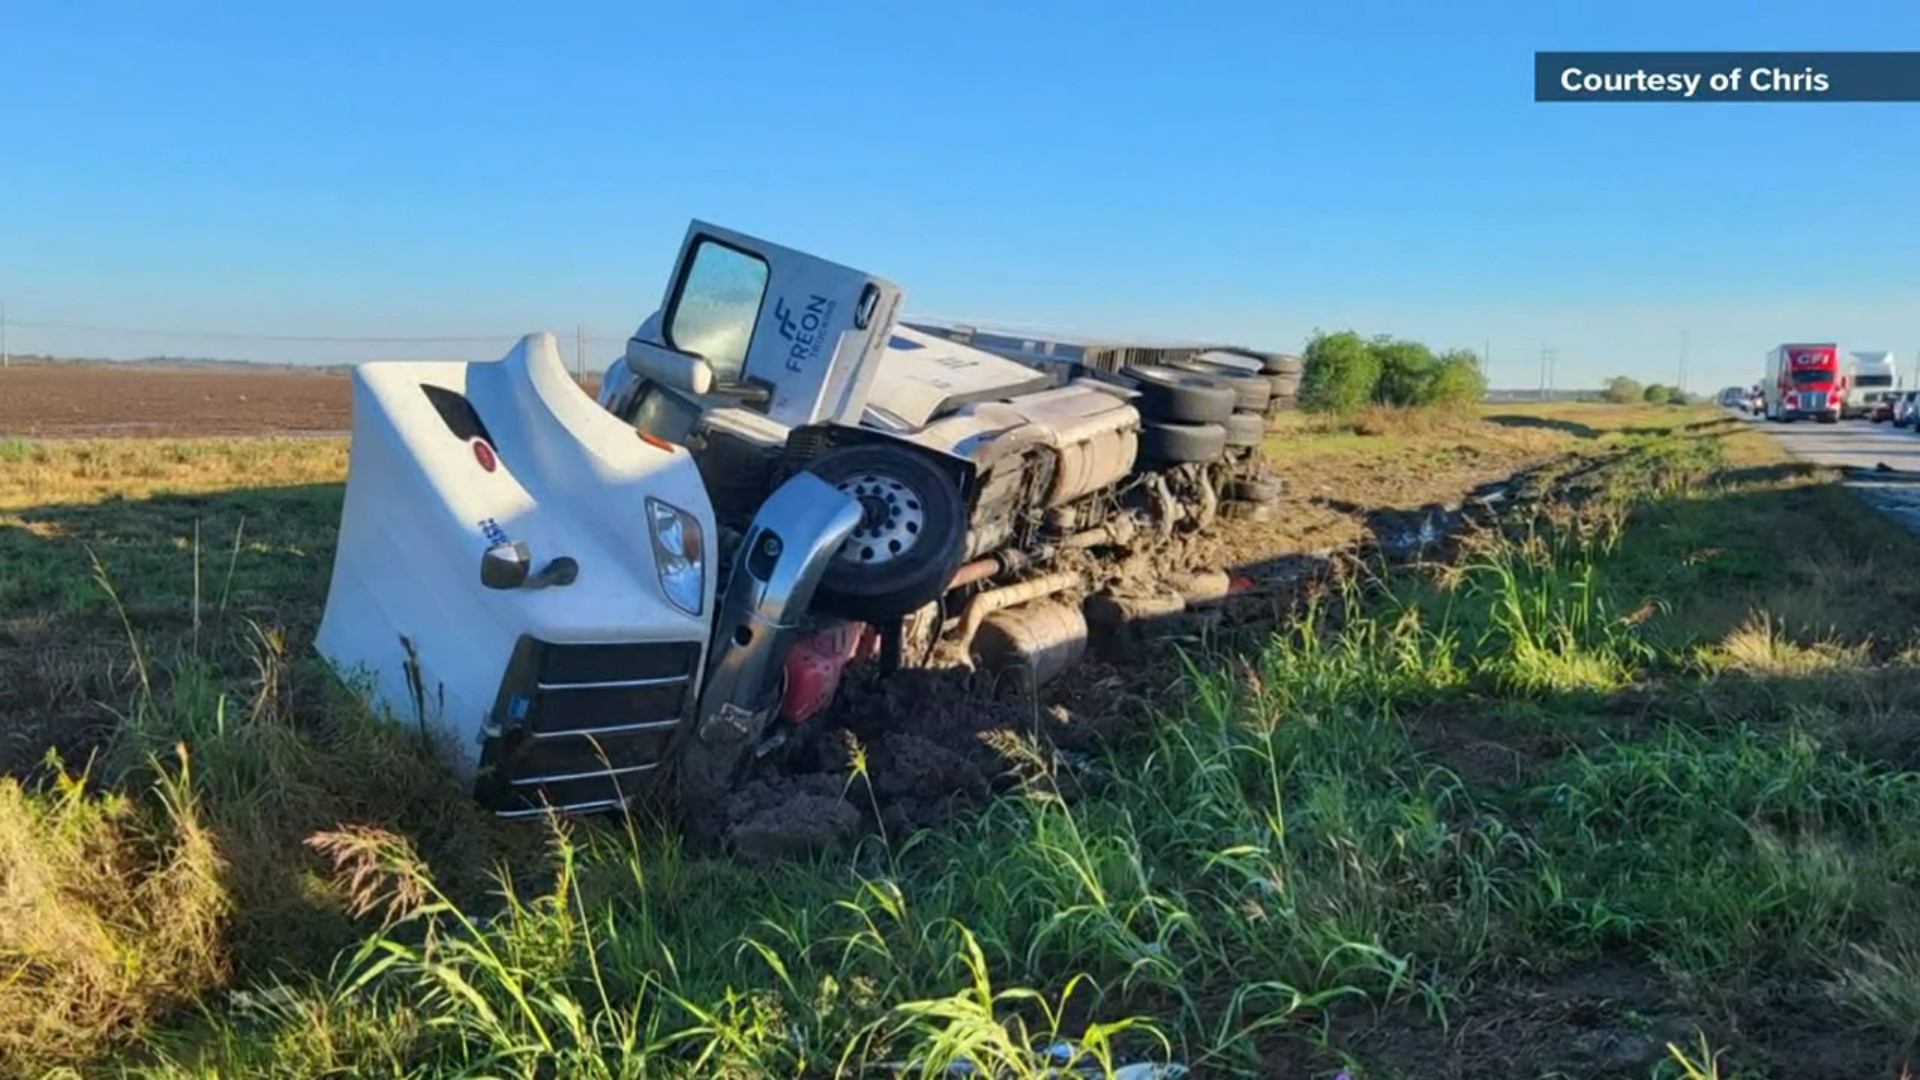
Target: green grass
point(1660, 728)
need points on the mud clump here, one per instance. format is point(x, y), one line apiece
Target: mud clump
point(918, 780)
point(790, 817)
point(907, 750)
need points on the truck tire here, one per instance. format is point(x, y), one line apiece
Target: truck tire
point(1232, 361)
point(1284, 385)
point(1250, 391)
point(1179, 444)
point(1169, 395)
point(1246, 429)
point(903, 553)
point(1284, 364)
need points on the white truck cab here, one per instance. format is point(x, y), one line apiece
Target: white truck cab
point(777, 473)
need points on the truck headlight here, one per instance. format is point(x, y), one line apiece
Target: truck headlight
point(679, 553)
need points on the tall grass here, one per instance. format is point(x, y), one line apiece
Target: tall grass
point(1278, 841)
point(111, 914)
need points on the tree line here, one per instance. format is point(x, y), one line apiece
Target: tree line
point(1345, 372)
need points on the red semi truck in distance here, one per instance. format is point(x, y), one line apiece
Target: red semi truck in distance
point(1804, 382)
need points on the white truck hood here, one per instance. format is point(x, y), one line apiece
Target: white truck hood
point(921, 377)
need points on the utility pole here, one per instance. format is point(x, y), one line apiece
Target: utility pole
point(580, 350)
point(1547, 356)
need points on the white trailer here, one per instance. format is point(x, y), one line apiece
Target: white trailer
point(1870, 376)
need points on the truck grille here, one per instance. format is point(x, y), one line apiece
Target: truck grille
point(580, 727)
point(1814, 401)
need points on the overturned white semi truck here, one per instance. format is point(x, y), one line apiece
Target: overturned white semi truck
point(585, 599)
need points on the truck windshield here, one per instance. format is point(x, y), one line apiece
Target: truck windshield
point(1805, 378)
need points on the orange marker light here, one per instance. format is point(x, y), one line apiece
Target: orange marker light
point(655, 441)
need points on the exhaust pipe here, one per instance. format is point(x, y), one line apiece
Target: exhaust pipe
point(994, 600)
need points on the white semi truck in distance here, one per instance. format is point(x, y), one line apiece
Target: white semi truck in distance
point(1870, 376)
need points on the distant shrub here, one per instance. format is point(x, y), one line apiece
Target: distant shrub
point(1623, 391)
point(1656, 394)
point(1346, 373)
point(1342, 374)
point(1457, 381)
point(1406, 371)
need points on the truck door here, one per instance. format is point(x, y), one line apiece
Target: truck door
point(783, 332)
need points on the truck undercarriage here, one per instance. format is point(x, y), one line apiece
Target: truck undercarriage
point(778, 480)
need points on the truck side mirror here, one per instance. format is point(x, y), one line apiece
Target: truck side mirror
point(505, 566)
point(675, 370)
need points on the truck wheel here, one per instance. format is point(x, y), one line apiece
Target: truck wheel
point(1178, 444)
point(1250, 391)
point(1246, 429)
point(1180, 397)
point(907, 547)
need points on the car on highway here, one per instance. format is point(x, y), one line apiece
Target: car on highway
point(1880, 406)
point(1904, 405)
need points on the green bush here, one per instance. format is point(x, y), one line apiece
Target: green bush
point(1406, 371)
point(1623, 391)
point(1345, 372)
point(1456, 381)
point(1342, 374)
point(1657, 395)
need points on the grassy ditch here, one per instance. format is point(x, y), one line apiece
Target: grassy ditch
point(1623, 788)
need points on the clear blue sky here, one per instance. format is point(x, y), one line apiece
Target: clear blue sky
point(1243, 170)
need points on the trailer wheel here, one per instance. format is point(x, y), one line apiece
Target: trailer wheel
point(1246, 429)
point(1181, 397)
point(910, 541)
point(1251, 392)
point(1283, 364)
point(1179, 444)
